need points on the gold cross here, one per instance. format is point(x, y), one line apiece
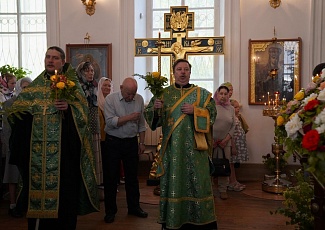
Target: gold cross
point(178, 22)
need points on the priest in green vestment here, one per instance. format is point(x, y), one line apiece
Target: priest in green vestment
point(51, 145)
point(187, 114)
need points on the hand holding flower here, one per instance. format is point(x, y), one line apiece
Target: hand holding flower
point(158, 104)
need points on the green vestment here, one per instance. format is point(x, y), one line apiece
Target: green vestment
point(46, 148)
point(186, 195)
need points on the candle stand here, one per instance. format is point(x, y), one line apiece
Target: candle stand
point(276, 185)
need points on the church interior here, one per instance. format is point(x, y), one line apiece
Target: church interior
point(118, 24)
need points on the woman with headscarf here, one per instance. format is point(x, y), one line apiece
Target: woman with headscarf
point(104, 88)
point(7, 86)
point(11, 173)
point(85, 72)
point(223, 130)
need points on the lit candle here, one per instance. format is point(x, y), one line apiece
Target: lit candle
point(268, 96)
point(55, 72)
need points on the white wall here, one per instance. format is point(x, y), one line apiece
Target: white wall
point(113, 22)
point(258, 19)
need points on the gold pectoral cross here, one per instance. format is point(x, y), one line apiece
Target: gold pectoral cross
point(44, 109)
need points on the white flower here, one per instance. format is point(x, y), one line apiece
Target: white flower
point(321, 95)
point(293, 126)
point(309, 98)
point(321, 129)
point(320, 118)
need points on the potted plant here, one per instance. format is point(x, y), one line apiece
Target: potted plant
point(18, 72)
point(297, 203)
point(270, 162)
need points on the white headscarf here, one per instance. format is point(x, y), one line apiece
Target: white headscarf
point(18, 88)
point(100, 96)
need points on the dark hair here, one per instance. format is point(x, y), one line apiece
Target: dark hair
point(179, 61)
point(318, 69)
point(62, 54)
point(223, 87)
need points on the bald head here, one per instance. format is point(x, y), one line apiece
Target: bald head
point(129, 88)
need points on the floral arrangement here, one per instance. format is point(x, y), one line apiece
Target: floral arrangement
point(63, 86)
point(155, 82)
point(301, 126)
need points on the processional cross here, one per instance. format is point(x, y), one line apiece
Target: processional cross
point(178, 22)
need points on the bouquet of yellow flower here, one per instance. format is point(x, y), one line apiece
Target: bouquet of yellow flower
point(155, 82)
point(63, 86)
point(301, 126)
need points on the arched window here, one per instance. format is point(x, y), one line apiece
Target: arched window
point(23, 34)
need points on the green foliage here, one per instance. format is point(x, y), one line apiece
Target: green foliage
point(155, 82)
point(270, 162)
point(18, 72)
point(297, 203)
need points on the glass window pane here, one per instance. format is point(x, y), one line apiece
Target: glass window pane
point(166, 3)
point(18, 49)
point(201, 33)
point(8, 6)
point(35, 23)
point(201, 3)
point(208, 85)
point(32, 6)
point(202, 66)
point(203, 18)
point(8, 23)
point(33, 53)
point(158, 18)
point(9, 49)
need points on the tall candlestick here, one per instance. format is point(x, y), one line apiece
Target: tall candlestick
point(159, 44)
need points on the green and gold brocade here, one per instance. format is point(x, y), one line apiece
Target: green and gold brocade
point(183, 167)
point(45, 149)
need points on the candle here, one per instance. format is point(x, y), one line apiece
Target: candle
point(55, 72)
point(268, 96)
point(159, 36)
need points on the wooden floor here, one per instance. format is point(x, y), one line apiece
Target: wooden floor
point(247, 210)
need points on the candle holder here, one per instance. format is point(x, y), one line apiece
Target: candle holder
point(276, 185)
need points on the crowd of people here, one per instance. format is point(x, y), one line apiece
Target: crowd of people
point(62, 150)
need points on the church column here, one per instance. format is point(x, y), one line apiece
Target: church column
point(317, 48)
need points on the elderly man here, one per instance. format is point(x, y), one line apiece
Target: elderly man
point(125, 129)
